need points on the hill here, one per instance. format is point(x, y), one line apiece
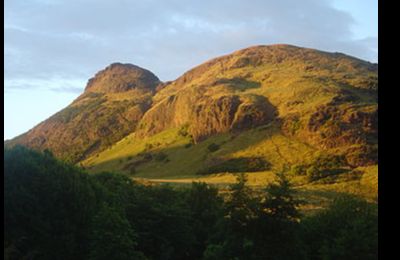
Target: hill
point(256, 110)
point(110, 108)
point(262, 108)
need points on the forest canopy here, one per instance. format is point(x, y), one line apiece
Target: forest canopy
point(54, 210)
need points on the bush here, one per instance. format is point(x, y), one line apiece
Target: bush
point(213, 147)
point(132, 170)
point(243, 164)
point(313, 173)
point(183, 131)
point(148, 147)
point(323, 166)
point(161, 157)
point(298, 169)
point(146, 156)
point(293, 125)
point(330, 161)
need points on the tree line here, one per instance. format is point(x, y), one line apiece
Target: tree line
point(54, 210)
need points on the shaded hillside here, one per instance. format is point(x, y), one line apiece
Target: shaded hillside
point(110, 108)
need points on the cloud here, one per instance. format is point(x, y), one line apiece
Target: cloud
point(59, 44)
point(70, 85)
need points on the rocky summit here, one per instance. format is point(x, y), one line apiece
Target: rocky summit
point(112, 104)
point(119, 77)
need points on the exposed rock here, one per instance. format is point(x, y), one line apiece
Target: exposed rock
point(120, 77)
point(207, 115)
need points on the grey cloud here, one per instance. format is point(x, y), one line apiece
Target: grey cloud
point(71, 39)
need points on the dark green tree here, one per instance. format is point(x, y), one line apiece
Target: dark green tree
point(276, 228)
point(112, 236)
point(205, 210)
point(348, 229)
point(234, 237)
point(162, 220)
point(279, 201)
point(48, 206)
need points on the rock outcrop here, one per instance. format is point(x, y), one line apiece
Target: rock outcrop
point(326, 100)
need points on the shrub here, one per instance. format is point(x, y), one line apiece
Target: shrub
point(160, 157)
point(243, 164)
point(293, 125)
point(313, 173)
point(183, 131)
point(132, 170)
point(323, 166)
point(148, 147)
point(213, 147)
point(146, 156)
point(298, 169)
point(330, 161)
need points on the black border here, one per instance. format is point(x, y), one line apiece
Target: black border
point(389, 103)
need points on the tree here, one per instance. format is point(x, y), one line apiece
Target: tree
point(240, 212)
point(48, 206)
point(279, 201)
point(241, 206)
point(112, 236)
point(161, 219)
point(206, 209)
point(348, 229)
point(276, 228)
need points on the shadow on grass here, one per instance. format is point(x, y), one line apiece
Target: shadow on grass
point(183, 160)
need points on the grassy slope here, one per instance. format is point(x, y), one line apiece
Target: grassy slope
point(289, 87)
point(265, 141)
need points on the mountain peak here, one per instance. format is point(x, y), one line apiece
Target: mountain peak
point(327, 100)
point(121, 77)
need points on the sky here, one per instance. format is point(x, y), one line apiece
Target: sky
point(52, 47)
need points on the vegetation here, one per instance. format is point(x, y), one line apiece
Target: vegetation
point(242, 164)
point(213, 147)
point(161, 157)
point(57, 211)
point(322, 166)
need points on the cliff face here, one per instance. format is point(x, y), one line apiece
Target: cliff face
point(206, 115)
point(326, 100)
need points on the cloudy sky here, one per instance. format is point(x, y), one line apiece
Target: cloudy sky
point(52, 47)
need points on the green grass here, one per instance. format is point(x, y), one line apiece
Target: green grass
point(263, 142)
